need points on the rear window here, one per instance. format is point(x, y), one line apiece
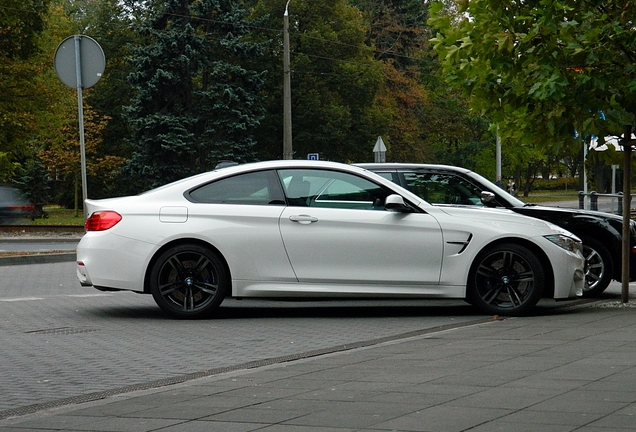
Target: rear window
point(255, 188)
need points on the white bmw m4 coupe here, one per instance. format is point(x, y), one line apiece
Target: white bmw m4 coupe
point(319, 229)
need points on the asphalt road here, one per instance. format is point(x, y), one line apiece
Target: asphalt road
point(63, 344)
point(37, 246)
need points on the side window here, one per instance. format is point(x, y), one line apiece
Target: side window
point(333, 189)
point(256, 188)
point(389, 176)
point(443, 188)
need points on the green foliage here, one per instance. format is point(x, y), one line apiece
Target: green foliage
point(21, 23)
point(195, 103)
point(113, 24)
point(542, 69)
point(32, 179)
point(188, 83)
point(334, 81)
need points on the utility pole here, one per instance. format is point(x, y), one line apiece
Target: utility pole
point(288, 152)
point(498, 156)
point(627, 143)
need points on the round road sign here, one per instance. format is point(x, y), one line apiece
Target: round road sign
point(91, 59)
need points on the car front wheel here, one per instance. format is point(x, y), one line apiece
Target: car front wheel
point(598, 267)
point(188, 281)
point(506, 279)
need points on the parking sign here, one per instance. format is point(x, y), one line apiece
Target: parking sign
point(313, 156)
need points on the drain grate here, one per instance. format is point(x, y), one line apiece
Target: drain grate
point(63, 331)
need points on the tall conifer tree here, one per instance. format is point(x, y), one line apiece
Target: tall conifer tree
point(195, 102)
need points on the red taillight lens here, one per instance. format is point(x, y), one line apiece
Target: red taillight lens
point(102, 220)
point(22, 208)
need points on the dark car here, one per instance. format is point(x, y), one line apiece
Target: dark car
point(13, 205)
point(599, 231)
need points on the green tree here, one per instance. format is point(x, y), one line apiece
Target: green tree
point(543, 69)
point(113, 24)
point(195, 103)
point(429, 122)
point(33, 178)
point(21, 23)
point(335, 81)
point(397, 32)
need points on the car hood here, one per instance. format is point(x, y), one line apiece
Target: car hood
point(498, 216)
point(598, 214)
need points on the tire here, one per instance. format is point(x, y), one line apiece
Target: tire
point(506, 279)
point(188, 281)
point(599, 267)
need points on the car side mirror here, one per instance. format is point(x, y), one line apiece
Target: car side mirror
point(487, 197)
point(396, 203)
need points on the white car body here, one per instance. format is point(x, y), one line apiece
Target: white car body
point(284, 250)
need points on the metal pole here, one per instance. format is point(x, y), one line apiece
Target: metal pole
point(80, 110)
point(584, 169)
point(288, 152)
point(498, 156)
point(627, 199)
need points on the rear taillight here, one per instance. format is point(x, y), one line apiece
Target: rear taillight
point(22, 208)
point(102, 220)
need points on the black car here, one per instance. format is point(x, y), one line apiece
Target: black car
point(599, 231)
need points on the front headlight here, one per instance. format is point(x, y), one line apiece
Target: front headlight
point(566, 242)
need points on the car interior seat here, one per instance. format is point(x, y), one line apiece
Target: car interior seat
point(298, 191)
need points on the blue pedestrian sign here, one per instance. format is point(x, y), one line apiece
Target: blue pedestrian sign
point(313, 156)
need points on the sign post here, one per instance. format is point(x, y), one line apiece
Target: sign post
point(79, 63)
point(379, 151)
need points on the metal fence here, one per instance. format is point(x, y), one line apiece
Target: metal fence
point(612, 203)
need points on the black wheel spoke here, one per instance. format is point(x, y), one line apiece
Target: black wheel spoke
point(188, 300)
point(207, 287)
point(516, 298)
point(487, 272)
point(201, 266)
point(491, 295)
point(527, 276)
point(507, 280)
point(188, 281)
point(175, 264)
point(168, 288)
point(508, 259)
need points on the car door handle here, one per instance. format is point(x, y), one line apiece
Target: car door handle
point(303, 219)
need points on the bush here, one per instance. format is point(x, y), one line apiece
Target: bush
point(561, 183)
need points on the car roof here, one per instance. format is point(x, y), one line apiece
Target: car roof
point(230, 169)
point(410, 166)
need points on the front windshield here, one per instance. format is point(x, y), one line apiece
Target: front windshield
point(490, 186)
point(444, 187)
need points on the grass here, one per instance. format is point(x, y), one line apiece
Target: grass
point(550, 196)
point(60, 216)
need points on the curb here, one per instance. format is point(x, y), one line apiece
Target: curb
point(37, 259)
point(40, 239)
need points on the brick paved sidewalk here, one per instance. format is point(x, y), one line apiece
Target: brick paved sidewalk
point(570, 370)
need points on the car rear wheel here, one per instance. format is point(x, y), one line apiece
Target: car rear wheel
point(188, 281)
point(598, 267)
point(506, 279)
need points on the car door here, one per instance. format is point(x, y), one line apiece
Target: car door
point(240, 216)
point(336, 230)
